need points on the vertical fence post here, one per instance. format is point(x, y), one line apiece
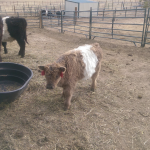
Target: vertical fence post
point(112, 27)
point(58, 17)
point(5, 12)
point(125, 11)
point(98, 8)
point(145, 28)
point(75, 16)
point(24, 10)
point(62, 12)
point(115, 13)
point(14, 10)
point(103, 14)
point(90, 25)
point(113, 19)
point(123, 5)
point(135, 11)
point(41, 20)
point(54, 10)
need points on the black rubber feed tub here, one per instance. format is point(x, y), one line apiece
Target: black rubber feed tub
point(14, 79)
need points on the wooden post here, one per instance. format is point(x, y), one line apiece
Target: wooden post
point(41, 24)
point(75, 16)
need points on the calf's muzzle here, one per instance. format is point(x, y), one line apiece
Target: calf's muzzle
point(49, 86)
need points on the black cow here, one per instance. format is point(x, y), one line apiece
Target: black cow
point(1, 30)
point(49, 13)
point(14, 28)
point(44, 12)
point(58, 13)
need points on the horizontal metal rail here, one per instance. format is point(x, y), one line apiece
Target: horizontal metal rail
point(116, 39)
point(76, 32)
point(117, 23)
point(117, 34)
point(116, 29)
point(117, 17)
point(76, 29)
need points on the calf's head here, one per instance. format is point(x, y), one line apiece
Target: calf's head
point(53, 74)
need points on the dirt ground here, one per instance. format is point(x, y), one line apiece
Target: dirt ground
point(115, 117)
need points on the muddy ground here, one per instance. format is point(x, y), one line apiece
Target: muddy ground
point(115, 117)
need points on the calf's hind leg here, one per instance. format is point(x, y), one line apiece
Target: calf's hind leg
point(4, 45)
point(21, 43)
point(94, 76)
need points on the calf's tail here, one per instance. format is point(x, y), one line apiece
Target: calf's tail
point(25, 38)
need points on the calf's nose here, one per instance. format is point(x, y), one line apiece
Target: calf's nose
point(49, 87)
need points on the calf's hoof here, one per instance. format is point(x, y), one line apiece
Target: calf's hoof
point(93, 89)
point(66, 107)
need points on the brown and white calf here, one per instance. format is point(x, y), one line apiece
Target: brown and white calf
point(83, 62)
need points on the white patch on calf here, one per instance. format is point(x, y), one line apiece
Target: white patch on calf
point(90, 60)
point(6, 36)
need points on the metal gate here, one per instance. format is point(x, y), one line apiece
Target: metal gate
point(96, 26)
point(146, 38)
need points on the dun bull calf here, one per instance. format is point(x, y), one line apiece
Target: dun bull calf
point(83, 62)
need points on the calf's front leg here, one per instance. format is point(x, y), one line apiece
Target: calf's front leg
point(67, 94)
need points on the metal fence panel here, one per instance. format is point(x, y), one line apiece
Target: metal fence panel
point(146, 31)
point(126, 25)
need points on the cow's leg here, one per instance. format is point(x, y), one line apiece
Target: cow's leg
point(67, 94)
point(0, 54)
point(94, 77)
point(4, 45)
point(0, 48)
point(21, 43)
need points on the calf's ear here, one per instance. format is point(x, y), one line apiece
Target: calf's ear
point(62, 69)
point(41, 67)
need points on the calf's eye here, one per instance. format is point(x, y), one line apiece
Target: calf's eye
point(57, 76)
